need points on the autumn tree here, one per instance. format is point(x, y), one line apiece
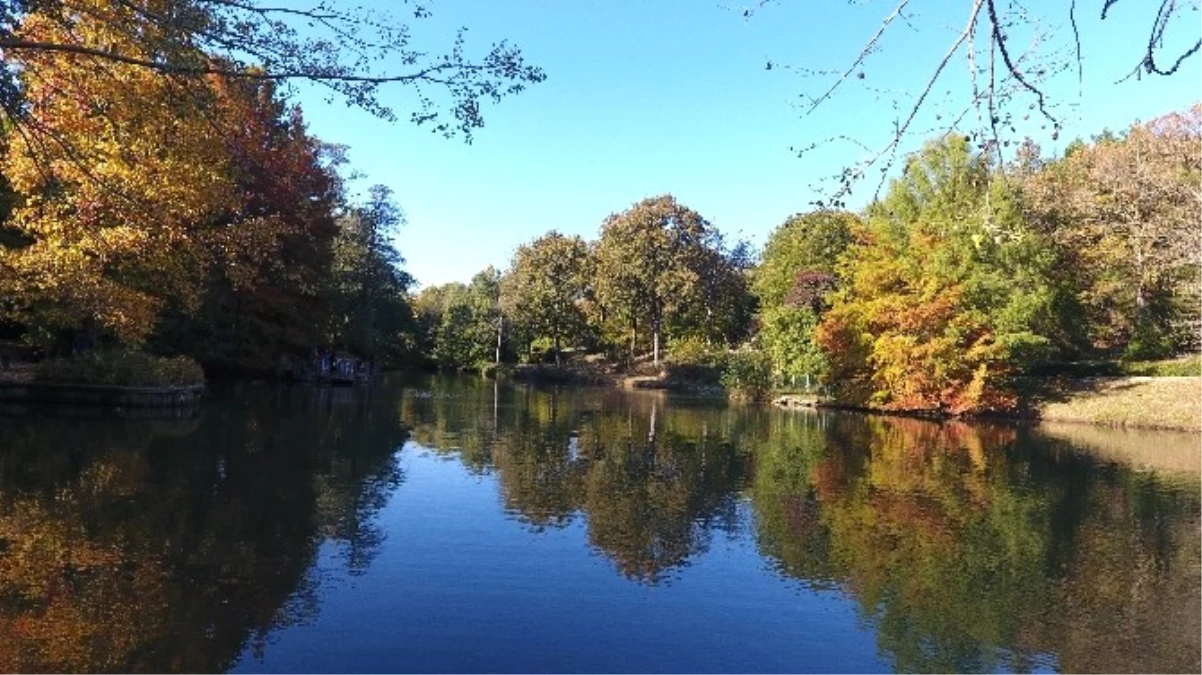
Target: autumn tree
point(1126, 209)
point(125, 193)
point(946, 292)
point(273, 302)
point(351, 52)
point(545, 286)
point(647, 264)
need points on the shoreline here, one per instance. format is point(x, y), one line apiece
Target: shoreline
point(1122, 402)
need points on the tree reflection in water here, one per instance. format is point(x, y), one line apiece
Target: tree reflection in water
point(177, 545)
point(169, 546)
point(967, 547)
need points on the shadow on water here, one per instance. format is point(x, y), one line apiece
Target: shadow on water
point(181, 544)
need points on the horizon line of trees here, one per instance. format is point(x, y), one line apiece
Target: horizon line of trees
point(658, 272)
point(197, 216)
point(964, 276)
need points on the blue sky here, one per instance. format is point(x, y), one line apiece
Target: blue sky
point(673, 96)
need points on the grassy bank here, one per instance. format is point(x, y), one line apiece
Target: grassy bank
point(1148, 402)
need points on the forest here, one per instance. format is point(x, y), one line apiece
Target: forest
point(184, 211)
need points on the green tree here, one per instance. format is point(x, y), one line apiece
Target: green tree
point(459, 322)
point(805, 242)
point(719, 307)
point(368, 287)
point(648, 259)
point(787, 337)
point(546, 285)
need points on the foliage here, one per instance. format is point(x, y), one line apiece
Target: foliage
point(945, 294)
point(1125, 209)
point(747, 375)
point(120, 368)
point(187, 41)
point(545, 287)
point(120, 220)
point(275, 301)
point(787, 339)
point(460, 322)
point(367, 289)
point(1187, 366)
point(693, 350)
point(808, 243)
point(651, 263)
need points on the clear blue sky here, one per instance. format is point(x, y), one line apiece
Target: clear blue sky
point(672, 96)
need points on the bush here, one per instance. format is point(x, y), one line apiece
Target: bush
point(692, 351)
point(747, 375)
point(126, 369)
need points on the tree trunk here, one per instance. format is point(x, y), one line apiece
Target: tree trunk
point(655, 330)
point(634, 325)
point(500, 328)
point(651, 429)
point(557, 360)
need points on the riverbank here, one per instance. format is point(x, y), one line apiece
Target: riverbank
point(1170, 403)
point(105, 379)
point(1143, 402)
point(1135, 401)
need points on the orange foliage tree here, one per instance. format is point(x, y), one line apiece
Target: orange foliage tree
point(129, 196)
point(945, 293)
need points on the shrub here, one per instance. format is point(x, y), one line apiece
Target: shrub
point(692, 351)
point(747, 375)
point(119, 368)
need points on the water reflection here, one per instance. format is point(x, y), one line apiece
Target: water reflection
point(185, 544)
point(170, 545)
point(968, 547)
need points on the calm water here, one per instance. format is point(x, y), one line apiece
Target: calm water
point(450, 525)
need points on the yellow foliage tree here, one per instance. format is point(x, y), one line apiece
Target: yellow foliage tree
point(125, 197)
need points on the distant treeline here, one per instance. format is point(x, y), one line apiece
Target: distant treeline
point(965, 274)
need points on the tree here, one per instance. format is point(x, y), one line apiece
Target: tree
point(647, 262)
point(274, 301)
point(946, 293)
point(368, 288)
point(460, 321)
point(187, 40)
point(787, 337)
point(720, 306)
point(1126, 209)
point(546, 284)
point(805, 242)
point(792, 282)
point(125, 194)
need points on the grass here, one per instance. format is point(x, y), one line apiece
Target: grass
point(1185, 366)
point(1166, 402)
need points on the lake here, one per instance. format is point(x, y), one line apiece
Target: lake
point(454, 524)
